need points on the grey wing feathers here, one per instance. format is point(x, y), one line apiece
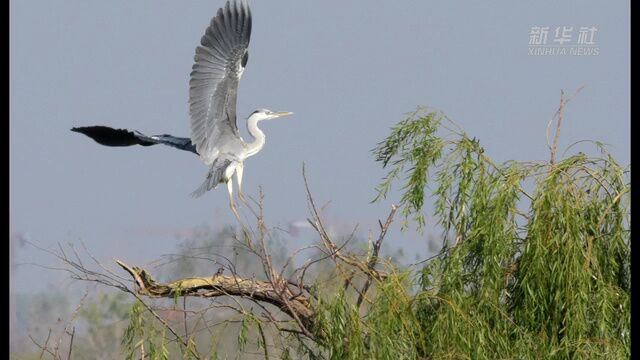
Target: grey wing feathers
point(176, 142)
point(214, 177)
point(105, 135)
point(219, 63)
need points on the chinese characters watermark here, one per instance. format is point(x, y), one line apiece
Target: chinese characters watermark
point(563, 40)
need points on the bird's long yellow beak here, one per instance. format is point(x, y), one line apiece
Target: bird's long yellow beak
point(283, 113)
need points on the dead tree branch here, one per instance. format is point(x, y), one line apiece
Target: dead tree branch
point(331, 247)
point(559, 115)
point(221, 285)
point(373, 259)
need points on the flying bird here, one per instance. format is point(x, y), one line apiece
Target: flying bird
point(220, 61)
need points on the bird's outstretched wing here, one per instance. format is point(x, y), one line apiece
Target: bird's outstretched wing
point(114, 137)
point(122, 137)
point(213, 87)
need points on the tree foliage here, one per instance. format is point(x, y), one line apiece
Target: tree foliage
point(535, 263)
point(519, 275)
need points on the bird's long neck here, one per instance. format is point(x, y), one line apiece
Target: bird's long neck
point(258, 135)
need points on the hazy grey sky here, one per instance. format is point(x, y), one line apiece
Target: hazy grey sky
point(349, 70)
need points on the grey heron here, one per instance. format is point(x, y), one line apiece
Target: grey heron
point(220, 61)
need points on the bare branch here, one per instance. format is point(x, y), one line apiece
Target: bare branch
point(559, 114)
point(221, 285)
point(332, 248)
point(73, 332)
point(373, 260)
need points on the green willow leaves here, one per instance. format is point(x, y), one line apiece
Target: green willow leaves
point(535, 258)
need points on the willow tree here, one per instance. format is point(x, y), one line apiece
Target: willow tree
point(535, 257)
point(534, 264)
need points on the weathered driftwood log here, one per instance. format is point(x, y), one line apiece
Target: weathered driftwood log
point(294, 305)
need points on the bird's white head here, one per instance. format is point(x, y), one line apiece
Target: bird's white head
point(252, 126)
point(266, 114)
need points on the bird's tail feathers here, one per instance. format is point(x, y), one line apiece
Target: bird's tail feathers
point(214, 177)
point(207, 185)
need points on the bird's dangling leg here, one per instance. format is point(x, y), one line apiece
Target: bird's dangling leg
point(231, 202)
point(239, 169)
point(247, 238)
